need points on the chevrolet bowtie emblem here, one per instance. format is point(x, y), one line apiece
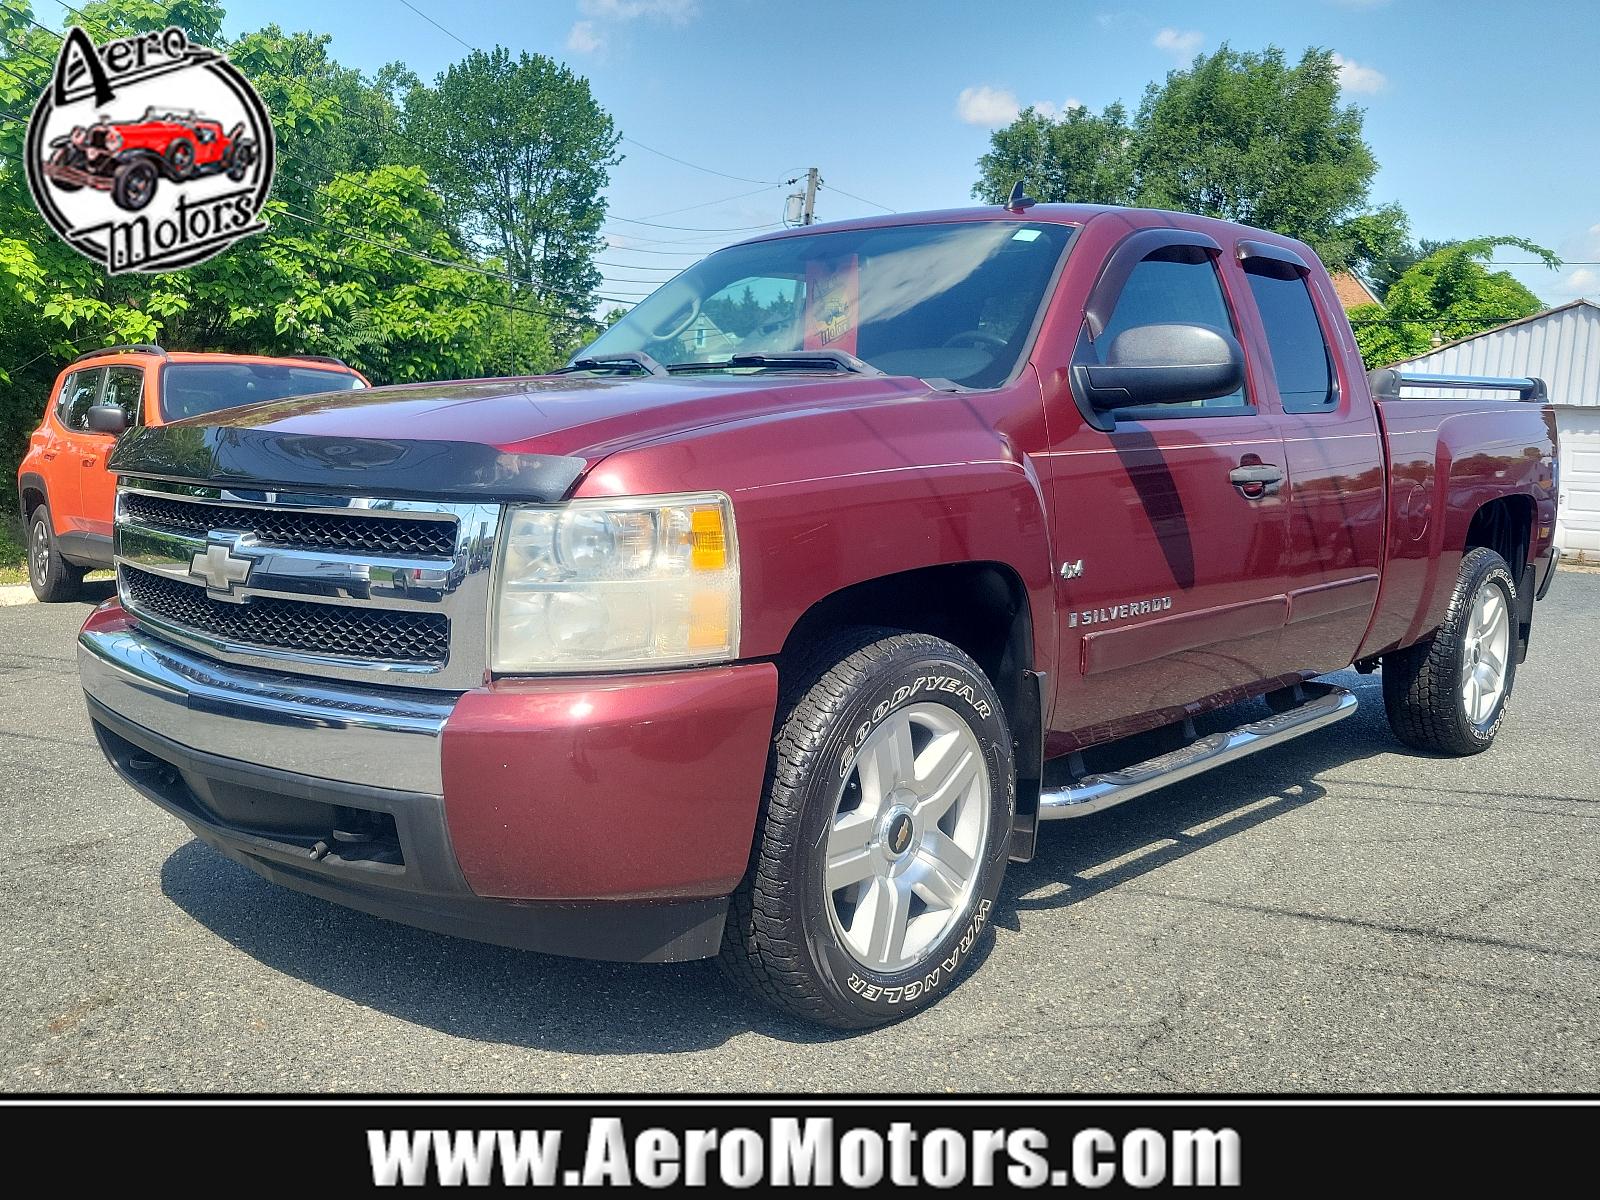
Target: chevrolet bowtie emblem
point(219, 567)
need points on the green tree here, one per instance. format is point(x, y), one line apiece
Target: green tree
point(1238, 135)
point(522, 153)
point(1079, 157)
point(1451, 293)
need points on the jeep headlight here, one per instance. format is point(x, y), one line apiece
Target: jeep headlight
point(609, 584)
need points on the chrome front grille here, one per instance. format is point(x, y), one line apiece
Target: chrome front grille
point(371, 589)
point(312, 530)
point(366, 633)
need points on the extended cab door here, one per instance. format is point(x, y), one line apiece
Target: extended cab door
point(124, 387)
point(1170, 526)
point(1334, 456)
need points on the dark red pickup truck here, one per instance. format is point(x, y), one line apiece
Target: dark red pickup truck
point(772, 626)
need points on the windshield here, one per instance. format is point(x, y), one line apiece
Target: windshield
point(952, 302)
point(192, 389)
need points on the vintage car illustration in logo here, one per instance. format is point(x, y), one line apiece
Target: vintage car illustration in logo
point(171, 187)
point(127, 158)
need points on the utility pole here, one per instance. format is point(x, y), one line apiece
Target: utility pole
point(808, 213)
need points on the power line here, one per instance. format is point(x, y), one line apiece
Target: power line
point(436, 24)
point(835, 187)
point(631, 141)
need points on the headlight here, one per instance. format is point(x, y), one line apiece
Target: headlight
point(113, 140)
point(610, 584)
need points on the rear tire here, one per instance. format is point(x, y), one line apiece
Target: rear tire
point(886, 830)
point(53, 578)
point(1448, 694)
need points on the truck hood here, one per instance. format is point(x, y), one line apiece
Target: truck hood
point(497, 439)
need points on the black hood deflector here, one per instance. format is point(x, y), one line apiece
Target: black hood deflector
point(231, 456)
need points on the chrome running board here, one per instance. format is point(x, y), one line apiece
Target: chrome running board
point(1093, 793)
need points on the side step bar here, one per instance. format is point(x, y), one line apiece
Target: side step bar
point(1093, 793)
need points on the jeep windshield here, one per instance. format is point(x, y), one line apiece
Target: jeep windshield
point(192, 389)
point(953, 302)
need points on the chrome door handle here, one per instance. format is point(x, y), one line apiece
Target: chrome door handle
point(1255, 482)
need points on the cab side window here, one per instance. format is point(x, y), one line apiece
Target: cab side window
point(1301, 361)
point(78, 394)
point(1175, 285)
point(125, 389)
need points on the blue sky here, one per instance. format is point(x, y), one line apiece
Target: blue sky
point(1481, 113)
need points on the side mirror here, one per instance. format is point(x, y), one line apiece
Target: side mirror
point(1162, 364)
point(106, 418)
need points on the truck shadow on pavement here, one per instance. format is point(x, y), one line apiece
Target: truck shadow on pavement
point(498, 995)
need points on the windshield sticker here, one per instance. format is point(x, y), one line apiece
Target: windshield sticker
point(149, 153)
point(833, 304)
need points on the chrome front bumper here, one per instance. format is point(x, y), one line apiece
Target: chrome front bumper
point(330, 730)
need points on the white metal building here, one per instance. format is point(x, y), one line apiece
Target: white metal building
point(1562, 347)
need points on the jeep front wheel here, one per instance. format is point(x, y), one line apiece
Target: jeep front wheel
point(52, 577)
point(887, 826)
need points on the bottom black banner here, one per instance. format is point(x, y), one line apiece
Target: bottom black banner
point(1013, 1144)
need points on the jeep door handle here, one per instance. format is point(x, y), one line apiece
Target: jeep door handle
point(1255, 482)
point(90, 461)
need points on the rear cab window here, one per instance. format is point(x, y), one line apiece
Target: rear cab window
point(194, 389)
point(1302, 363)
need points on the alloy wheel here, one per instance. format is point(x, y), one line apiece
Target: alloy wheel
point(903, 849)
point(1484, 654)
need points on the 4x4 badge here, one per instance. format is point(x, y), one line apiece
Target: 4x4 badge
point(219, 567)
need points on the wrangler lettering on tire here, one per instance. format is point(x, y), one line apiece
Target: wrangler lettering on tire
point(889, 799)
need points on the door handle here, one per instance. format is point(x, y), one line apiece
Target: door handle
point(90, 461)
point(48, 455)
point(1256, 481)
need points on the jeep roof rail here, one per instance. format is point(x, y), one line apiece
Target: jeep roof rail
point(138, 348)
point(322, 358)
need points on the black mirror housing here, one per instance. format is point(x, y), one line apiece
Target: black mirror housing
point(1162, 364)
point(106, 418)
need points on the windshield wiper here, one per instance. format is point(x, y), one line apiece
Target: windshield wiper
point(622, 361)
point(839, 360)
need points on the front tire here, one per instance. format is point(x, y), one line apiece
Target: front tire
point(134, 184)
point(884, 841)
point(54, 580)
point(1448, 694)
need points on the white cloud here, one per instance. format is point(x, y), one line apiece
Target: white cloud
point(588, 36)
point(1353, 77)
point(584, 38)
point(1179, 42)
point(985, 105)
point(1583, 281)
point(993, 106)
point(676, 11)
point(1361, 3)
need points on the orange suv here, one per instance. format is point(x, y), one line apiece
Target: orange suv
point(68, 496)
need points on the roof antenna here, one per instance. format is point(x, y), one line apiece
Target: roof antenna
point(1020, 201)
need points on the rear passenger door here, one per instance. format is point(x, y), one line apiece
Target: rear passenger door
point(1334, 455)
point(1171, 578)
point(124, 387)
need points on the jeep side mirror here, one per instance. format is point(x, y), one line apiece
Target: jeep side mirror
point(106, 418)
point(1162, 364)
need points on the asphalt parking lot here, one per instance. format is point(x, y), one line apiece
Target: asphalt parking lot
point(1335, 915)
